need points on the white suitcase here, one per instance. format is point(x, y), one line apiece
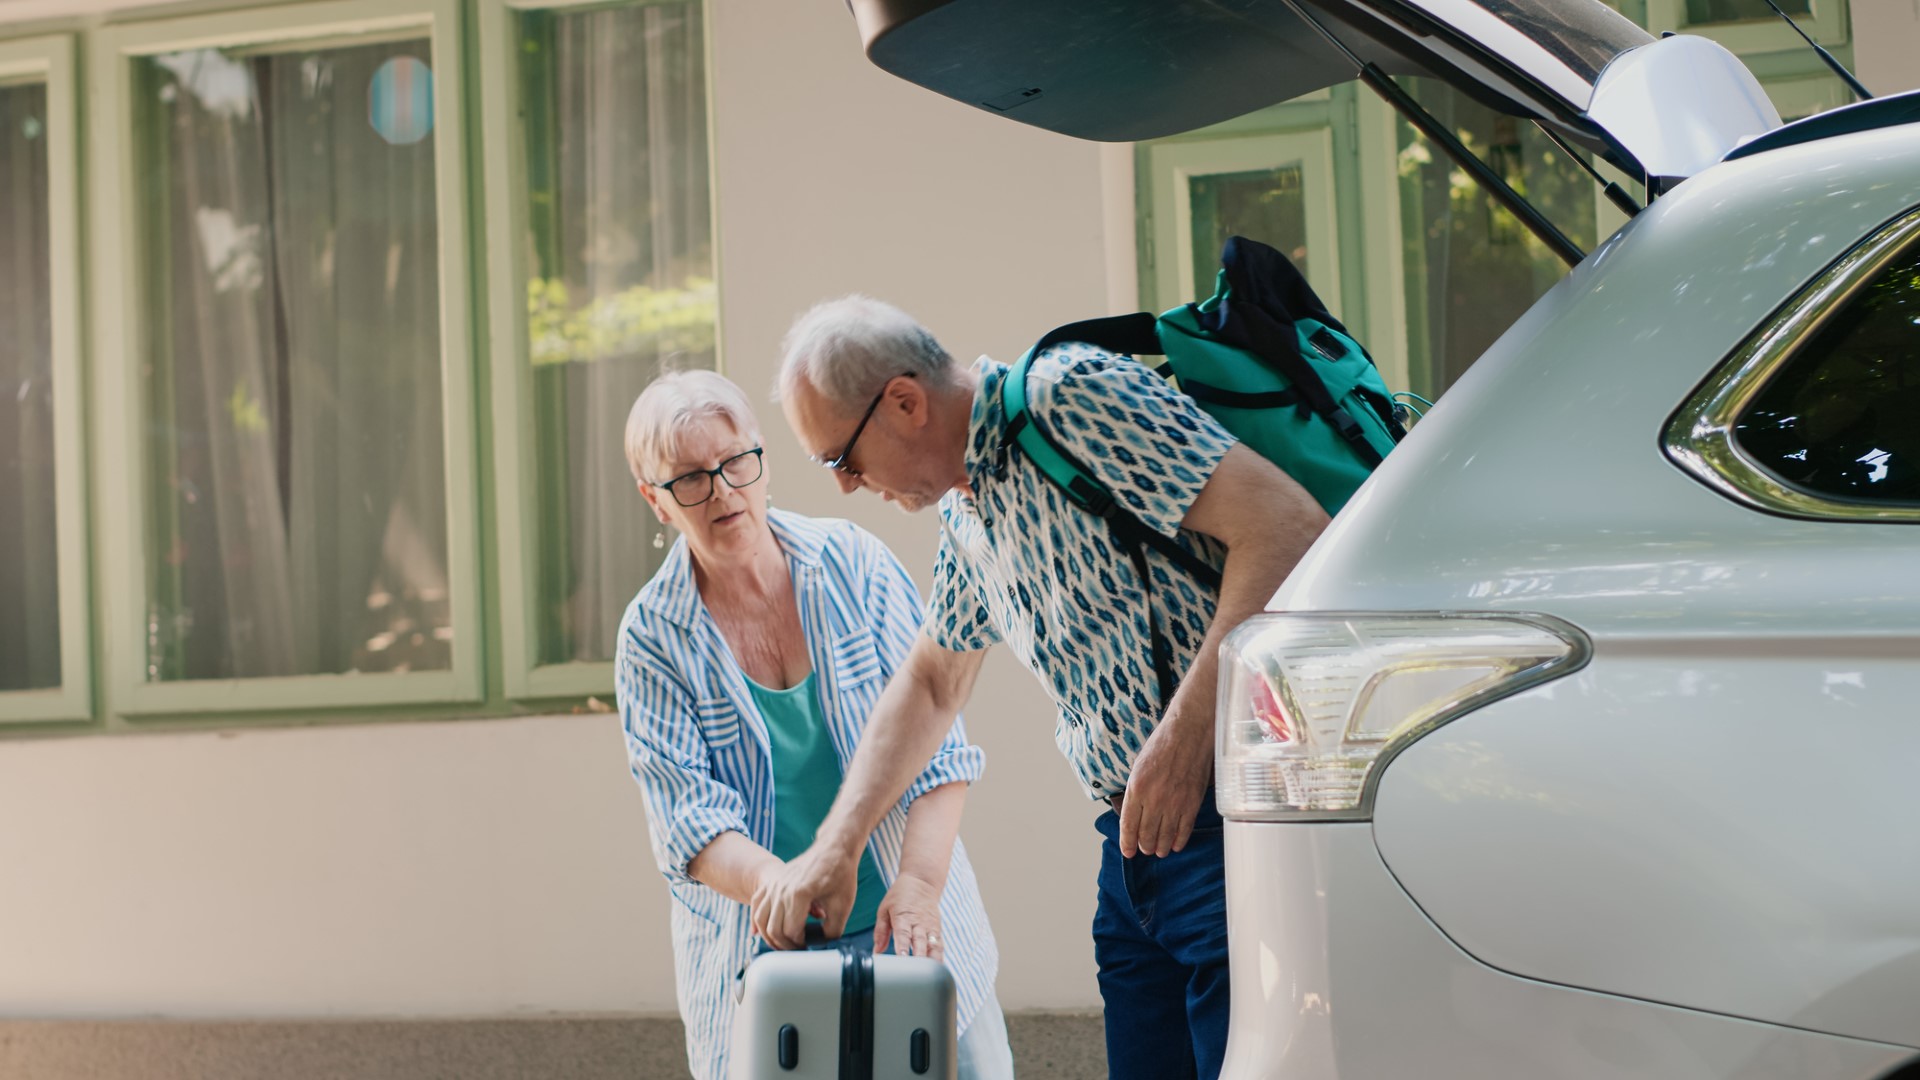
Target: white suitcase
point(844, 1014)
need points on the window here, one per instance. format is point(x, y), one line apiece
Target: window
point(1275, 188)
point(29, 593)
point(1837, 418)
point(44, 655)
point(603, 277)
point(293, 356)
point(1471, 268)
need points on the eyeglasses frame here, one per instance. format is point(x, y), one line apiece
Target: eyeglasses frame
point(720, 472)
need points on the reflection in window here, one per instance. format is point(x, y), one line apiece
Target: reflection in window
point(1726, 11)
point(295, 487)
point(620, 260)
point(1268, 205)
point(1838, 418)
point(1472, 268)
point(29, 597)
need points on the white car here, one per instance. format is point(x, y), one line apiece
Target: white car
point(1586, 742)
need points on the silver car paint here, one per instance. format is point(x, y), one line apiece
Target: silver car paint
point(1338, 976)
point(1635, 97)
point(1715, 813)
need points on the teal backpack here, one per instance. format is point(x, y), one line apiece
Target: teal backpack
point(1262, 356)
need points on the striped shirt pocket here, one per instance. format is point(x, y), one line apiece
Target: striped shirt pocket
point(855, 658)
point(719, 722)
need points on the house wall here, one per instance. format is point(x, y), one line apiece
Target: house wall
point(501, 866)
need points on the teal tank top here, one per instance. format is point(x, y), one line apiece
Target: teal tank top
point(806, 777)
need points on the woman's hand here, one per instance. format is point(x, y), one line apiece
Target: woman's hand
point(910, 917)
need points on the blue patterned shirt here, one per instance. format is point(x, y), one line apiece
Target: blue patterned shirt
point(1020, 563)
point(698, 746)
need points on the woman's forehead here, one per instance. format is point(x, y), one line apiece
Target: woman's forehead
point(705, 442)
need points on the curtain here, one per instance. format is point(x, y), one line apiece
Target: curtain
point(621, 229)
point(29, 596)
point(295, 491)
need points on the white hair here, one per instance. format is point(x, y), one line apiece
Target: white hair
point(847, 349)
point(671, 406)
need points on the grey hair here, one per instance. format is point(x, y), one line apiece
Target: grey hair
point(671, 406)
point(847, 349)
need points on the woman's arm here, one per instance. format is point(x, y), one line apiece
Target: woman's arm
point(733, 865)
point(910, 914)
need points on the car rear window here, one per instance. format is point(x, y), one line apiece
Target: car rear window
point(1841, 418)
point(1585, 37)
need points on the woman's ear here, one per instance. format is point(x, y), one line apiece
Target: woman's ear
point(652, 495)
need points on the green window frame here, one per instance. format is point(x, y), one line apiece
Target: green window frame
point(514, 422)
point(50, 61)
point(118, 329)
point(1826, 23)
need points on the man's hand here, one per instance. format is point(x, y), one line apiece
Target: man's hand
point(821, 880)
point(910, 917)
point(1168, 781)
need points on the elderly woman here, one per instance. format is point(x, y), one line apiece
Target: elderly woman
point(746, 671)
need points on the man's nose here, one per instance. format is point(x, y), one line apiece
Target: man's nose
point(848, 484)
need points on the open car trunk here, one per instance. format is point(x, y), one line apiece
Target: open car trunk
point(1124, 70)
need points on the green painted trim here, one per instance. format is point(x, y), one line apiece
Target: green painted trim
point(1829, 25)
point(121, 502)
point(502, 168)
point(53, 62)
point(1382, 241)
point(593, 679)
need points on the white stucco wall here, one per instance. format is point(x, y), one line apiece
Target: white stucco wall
point(501, 866)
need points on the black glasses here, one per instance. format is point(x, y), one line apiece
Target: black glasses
point(839, 462)
point(696, 487)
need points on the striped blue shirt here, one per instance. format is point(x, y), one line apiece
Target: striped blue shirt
point(698, 747)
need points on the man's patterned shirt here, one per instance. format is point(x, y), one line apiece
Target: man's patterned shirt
point(1020, 563)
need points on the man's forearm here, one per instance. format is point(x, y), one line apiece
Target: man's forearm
point(1249, 579)
point(933, 822)
point(906, 727)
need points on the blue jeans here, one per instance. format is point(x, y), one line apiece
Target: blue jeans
point(1160, 938)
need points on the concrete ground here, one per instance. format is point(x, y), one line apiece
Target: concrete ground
point(1046, 1046)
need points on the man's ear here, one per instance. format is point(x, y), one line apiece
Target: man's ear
point(909, 398)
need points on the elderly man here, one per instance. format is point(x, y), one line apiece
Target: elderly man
point(873, 396)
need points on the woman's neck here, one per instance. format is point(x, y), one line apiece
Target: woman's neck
point(754, 576)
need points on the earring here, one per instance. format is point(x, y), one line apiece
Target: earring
point(659, 539)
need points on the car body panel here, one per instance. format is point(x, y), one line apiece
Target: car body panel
point(1338, 976)
point(1539, 481)
point(1728, 814)
point(1716, 813)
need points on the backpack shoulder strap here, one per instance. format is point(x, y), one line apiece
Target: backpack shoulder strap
point(1059, 467)
point(1076, 481)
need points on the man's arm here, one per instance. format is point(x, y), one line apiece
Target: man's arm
point(906, 726)
point(1267, 521)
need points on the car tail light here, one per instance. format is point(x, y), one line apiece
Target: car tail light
point(1313, 704)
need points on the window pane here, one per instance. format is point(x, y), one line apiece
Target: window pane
point(1723, 11)
point(1268, 205)
point(620, 256)
point(1471, 267)
point(295, 477)
point(29, 596)
point(1838, 418)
